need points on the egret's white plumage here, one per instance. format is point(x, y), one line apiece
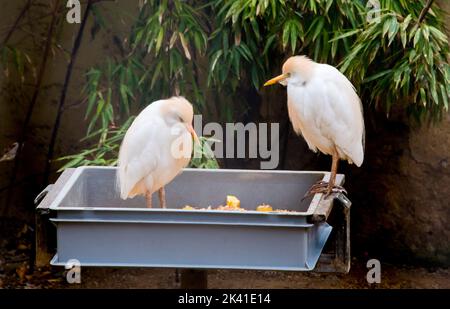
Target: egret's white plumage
point(156, 147)
point(324, 107)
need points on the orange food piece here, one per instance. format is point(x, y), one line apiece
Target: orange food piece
point(221, 207)
point(264, 208)
point(233, 201)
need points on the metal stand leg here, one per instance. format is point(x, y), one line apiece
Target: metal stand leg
point(338, 260)
point(194, 279)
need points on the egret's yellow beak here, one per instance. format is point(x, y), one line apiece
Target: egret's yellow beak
point(193, 133)
point(275, 80)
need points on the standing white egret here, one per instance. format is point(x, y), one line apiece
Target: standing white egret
point(323, 106)
point(156, 147)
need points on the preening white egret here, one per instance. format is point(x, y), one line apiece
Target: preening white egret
point(324, 107)
point(156, 147)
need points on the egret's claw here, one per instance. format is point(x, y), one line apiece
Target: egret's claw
point(323, 187)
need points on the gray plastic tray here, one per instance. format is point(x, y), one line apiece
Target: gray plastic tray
point(97, 228)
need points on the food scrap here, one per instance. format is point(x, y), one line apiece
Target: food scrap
point(264, 208)
point(233, 201)
point(221, 207)
point(234, 204)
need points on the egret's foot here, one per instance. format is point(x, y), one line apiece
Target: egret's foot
point(324, 188)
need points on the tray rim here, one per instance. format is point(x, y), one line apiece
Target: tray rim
point(79, 170)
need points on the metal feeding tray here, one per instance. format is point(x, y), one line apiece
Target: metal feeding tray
point(97, 228)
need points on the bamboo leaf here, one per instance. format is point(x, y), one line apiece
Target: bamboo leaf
point(215, 59)
point(377, 76)
point(159, 40)
point(345, 35)
point(417, 37)
point(444, 95)
point(185, 46)
point(286, 34)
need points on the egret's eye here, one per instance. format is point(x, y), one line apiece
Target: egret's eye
point(288, 75)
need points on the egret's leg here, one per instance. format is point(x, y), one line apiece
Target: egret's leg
point(148, 198)
point(162, 197)
point(334, 166)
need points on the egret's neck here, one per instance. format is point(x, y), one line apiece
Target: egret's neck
point(296, 87)
point(296, 94)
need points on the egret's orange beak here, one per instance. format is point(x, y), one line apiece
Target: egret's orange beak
point(193, 133)
point(275, 80)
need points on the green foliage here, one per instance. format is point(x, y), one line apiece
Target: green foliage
point(203, 156)
point(395, 59)
point(105, 152)
point(392, 58)
point(251, 34)
point(14, 61)
point(190, 47)
point(155, 63)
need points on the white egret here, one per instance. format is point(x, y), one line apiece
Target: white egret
point(324, 107)
point(156, 147)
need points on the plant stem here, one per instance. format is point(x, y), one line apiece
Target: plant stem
point(23, 134)
point(425, 10)
point(16, 22)
point(62, 100)
point(49, 14)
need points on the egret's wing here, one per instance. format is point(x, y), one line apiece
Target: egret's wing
point(139, 153)
point(342, 118)
point(363, 138)
point(296, 122)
